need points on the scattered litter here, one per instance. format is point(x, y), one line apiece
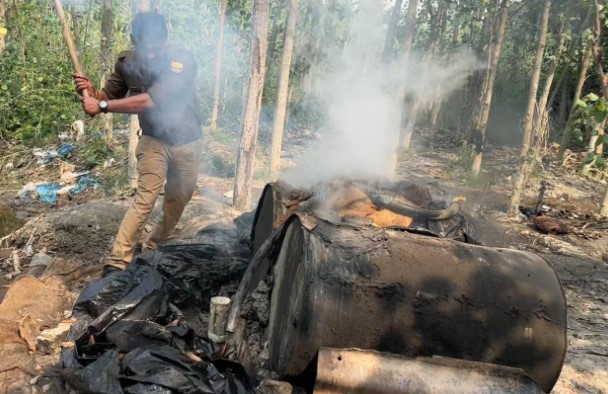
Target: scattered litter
point(109, 162)
point(85, 182)
point(46, 157)
point(48, 192)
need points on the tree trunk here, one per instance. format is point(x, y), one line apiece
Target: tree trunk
point(218, 66)
point(544, 98)
point(604, 207)
point(538, 63)
point(527, 161)
point(416, 107)
point(279, 119)
point(525, 169)
point(76, 29)
point(134, 127)
point(272, 40)
point(252, 107)
point(106, 60)
point(480, 131)
point(408, 39)
point(479, 81)
point(133, 140)
point(389, 45)
point(577, 96)
point(574, 45)
point(564, 103)
point(599, 69)
point(3, 30)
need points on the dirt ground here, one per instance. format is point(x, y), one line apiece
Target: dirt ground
point(78, 236)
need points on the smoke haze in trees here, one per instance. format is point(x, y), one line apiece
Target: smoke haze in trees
point(361, 104)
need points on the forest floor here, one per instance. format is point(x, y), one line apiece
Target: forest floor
point(76, 235)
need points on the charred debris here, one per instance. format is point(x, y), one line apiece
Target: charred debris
point(389, 268)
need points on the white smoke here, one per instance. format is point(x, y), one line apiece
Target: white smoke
point(362, 106)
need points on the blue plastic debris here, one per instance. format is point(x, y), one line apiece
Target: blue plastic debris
point(47, 191)
point(65, 150)
point(85, 181)
point(51, 155)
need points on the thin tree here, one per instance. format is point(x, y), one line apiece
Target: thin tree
point(406, 48)
point(534, 83)
point(599, 129)
point(218, 65)
point(599, 68)
point(106, 59)
point(253, 106)
point(134, 127)
point(282, 96)
point(582, 77)
point(528, 162)
point(478, 82)
point(391, 32)
point(544, 97)
point(3, 30)
point(481, 123)
point(416, 107)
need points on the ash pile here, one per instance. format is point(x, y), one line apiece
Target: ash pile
point(392, 268)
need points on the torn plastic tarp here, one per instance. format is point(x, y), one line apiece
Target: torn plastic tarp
point(48, 192)
point(131, 313)
point(196, 272)
point(136, 293)
point(149, 366)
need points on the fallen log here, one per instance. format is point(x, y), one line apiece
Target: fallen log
point(418, 296)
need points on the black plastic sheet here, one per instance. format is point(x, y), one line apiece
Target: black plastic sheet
point(131, 337)
point(195, 272)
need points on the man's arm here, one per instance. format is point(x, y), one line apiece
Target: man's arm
point(129, 105)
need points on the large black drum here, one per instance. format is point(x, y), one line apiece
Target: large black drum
point(340, 286)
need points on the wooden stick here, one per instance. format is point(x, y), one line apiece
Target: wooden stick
point(67, 35)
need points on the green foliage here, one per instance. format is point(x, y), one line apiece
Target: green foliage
point(593, 112)
point(116, 181)
point(36, 94)
point(465, 158)
point(96, 151)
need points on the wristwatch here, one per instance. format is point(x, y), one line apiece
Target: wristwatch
point(103, 106)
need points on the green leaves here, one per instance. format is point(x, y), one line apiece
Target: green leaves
point(594, 109)
point(602, 139)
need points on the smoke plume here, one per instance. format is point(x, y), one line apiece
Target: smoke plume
point(362, 105)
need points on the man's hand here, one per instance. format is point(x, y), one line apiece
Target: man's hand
point(90, 105)
point(83, 83)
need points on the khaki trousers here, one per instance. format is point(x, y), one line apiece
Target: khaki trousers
point(157, 162)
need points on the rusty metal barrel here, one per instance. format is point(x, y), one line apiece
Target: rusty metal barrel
point(413, 295)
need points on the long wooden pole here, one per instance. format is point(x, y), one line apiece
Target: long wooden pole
point(67, 35)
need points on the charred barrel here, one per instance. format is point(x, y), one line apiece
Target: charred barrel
point(412, 295)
